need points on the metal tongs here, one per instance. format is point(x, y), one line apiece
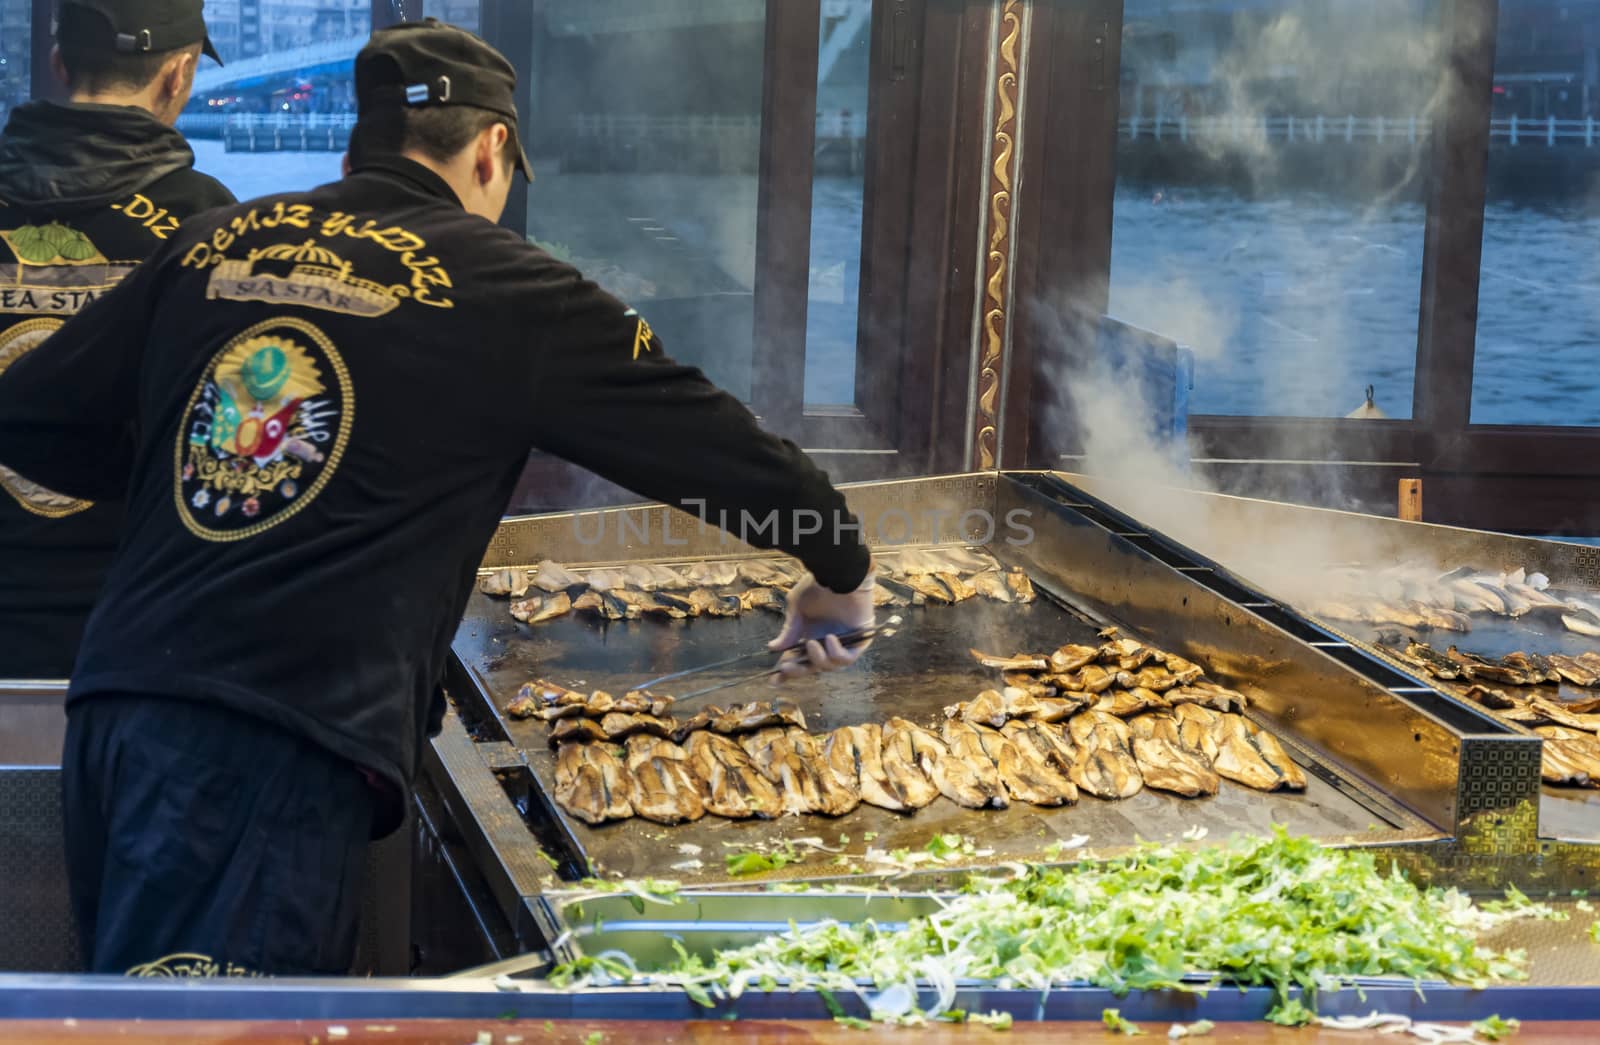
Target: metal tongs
point(847, 638)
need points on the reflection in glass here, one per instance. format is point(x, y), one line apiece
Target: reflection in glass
point(647, 149)
point(1538, 340)
point(16, 54)
point(1268, 210)
point(277, 116)
point(836, 202)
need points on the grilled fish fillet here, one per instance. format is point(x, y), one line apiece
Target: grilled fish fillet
point(839, 796)
point(712, 574)
point(855, 755)
point(804, 783)
point(503, 583)
point(1021, 587)
point(619, 725)
point(992, 585)
point(1577, 670)
point(1253, 757)
point(734, 787)
point(1041, 751)
point(983, 775)
point(1126, 654)
point(1025, 779)
point(1072, 658)
point(1163, 761)
point(591, 783)
point(1155, 679)
point(1125, 703)
point(949, 775)
point(960, 590)
point(759, 714)
point(1028, 682)
point(1197, 730)
point(760, 573)
point(1570, 757)
point(576, 729)
point(903, 763)
point(1104, 766)
point(762, 599)
point(987, 708)
point(1015, 662)
point(553, 577)
point(664, 790)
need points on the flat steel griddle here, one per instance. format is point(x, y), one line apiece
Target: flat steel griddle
point(914, 674)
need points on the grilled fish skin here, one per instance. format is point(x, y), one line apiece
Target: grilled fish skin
point(706, 603)
point(1209, 694)
point(762, 599)
point(1042, 754)
point(1034, 685)
point(1570, 757)
point(929, 588)
point(735, 788)
point(552, 577)
point(1244, 756)
point(540, 608)
point(1021, 587)
point(1092, 678)
point(964, 745)
point(764, 573)
point(802, 785)
point(855, 755)
point(992, 585)
point(1071, 658)
point(883, 596)
point(1126, 654)
point(1576, 671)
point(1155, 679)
point(1026, 779)
point(903, 766)
point(1185, 671)
point(837, 795)
point(960, 590)
point(949, 775)
point(712, 574)
point(1015, 662)
point(903, 594)
point(700, 720)
point(664, 790)
point(988, 708)
point(1129, 702)
point(1059, 709)
point(620, 725)
point(1104, 766)
point(1582, 624)
point(577, 729)
point(591, 783)
point(605, 580)
point(503, 583)
point(1165, 763)
point(678, 603)
point(1198, 729)
point(759, 715)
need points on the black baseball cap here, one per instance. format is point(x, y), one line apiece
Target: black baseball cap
point(430, 63)
point(135, 26)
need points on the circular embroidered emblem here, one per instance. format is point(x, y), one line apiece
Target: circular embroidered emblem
point(15, 343)
point(263, 431)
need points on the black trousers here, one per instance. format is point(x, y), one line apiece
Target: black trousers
point(203, 841)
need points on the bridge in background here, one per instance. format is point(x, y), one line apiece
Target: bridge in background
point(328, 56)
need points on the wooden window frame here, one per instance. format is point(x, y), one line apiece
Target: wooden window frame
point(918, 237)
point(1496, 476)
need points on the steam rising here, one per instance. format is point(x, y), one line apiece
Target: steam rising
point(1281, 292)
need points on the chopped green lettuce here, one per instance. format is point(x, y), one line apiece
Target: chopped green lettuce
point(1114, 1022)
point(1494, 1028)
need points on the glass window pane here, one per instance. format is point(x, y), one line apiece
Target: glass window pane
point(277, 116)
point(463, 13)
point(1538, 342)
point(647, 151)
point(16, 54)
point(1268, 211)
point(836, 202)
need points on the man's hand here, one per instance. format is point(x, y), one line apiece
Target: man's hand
point(816, 616)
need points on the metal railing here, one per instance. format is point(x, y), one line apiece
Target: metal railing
point(830, 125)
point(1324, 129)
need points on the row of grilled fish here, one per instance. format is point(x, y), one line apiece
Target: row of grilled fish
point(1570, 728)
point(903, 767)
point(1514, 669)
point(912, 578)
point(1420, 601)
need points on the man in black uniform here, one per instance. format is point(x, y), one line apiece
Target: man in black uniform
point(318, 406)
point(88, 189)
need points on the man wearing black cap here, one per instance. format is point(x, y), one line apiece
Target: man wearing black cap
point(318, 406)
point(89, 188)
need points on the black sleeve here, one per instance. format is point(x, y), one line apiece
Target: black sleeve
point(68, 408)
point(613, 402)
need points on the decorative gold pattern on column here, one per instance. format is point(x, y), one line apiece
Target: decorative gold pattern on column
point(997, 288)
